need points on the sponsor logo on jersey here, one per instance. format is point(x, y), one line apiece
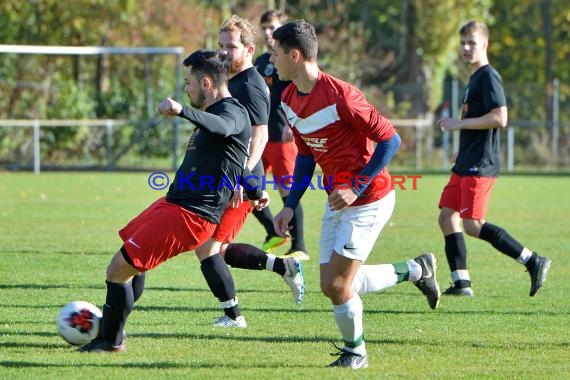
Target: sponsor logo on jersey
point(317, 143)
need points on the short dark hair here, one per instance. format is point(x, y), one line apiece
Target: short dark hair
point(273, 14)
point(473, 26)
point(298, 35)
point(209, 62)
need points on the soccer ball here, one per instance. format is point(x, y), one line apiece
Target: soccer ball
point(78, 322)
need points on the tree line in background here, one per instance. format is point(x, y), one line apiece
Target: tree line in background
point(402, 53)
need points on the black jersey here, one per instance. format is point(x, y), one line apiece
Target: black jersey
point(479, 150)
point(277, 118)
point(215, 158)
point(249, 88)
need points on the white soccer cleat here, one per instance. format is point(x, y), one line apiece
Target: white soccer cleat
point(294, 278)
point(225, 321)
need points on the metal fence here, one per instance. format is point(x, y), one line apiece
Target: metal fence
point(526, 144)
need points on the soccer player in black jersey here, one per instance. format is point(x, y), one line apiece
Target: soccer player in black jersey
point(477, 165)
point(280, 152)
point(237, 40)
point(190, 212)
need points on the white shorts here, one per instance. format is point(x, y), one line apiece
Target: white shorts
point(352, 231)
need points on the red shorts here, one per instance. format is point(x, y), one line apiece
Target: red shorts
point(163, 230)
point(469, 195)
point(279, 158)
point(232, 221)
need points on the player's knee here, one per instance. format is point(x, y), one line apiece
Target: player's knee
point(119, 270)
point(223, 249)
point(445, 220)
point(327, 289)
point(472, 227)
point(332, 289)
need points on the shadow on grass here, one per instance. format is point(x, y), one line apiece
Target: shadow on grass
point(200, 364)
point(402, 341)
point(390, 308)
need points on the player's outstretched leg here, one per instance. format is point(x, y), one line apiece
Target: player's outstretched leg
point(118, 305)
point(420, 271)
point(247, 256)
point(294, 278)
point(428, 282)
point(537, 267)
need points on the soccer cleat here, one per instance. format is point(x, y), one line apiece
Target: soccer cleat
point(296, 253)
point(427, 282)
point(537, 266)
point(272, 242)
point(458, 291)
point(348, 359)
point(100, 345)
point(225, 321)
point(294, 278)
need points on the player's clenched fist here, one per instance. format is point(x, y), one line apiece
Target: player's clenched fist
point(169, 107)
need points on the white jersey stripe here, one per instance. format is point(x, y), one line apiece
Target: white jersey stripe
point(313, 123)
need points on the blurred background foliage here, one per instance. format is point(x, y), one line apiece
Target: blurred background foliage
point(402, 53)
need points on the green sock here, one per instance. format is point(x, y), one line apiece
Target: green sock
point(402, 271)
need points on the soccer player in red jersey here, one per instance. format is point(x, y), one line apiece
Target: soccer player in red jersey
point(466, 196)
point(334, 126)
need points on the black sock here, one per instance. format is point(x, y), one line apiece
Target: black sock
point(456, 251)
point(296, 231)
point(501, 240)
point(531, 261)
point(138, 286)
point(220, 282)
point(247, 256)
point(118, 306)
point(265, 217)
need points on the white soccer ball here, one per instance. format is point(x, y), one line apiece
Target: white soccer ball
point(78, 322)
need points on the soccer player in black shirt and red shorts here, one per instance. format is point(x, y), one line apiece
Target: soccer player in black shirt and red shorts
point(477, 165)
point(280, 152)
point(190, 212)
point(237, 40)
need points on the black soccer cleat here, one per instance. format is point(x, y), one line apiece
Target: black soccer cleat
point(427, 282)
point(537, 267)
point(348, 359)
point(100, 345)
point(453, 290)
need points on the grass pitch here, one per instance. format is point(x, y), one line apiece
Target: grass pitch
point(59, 230)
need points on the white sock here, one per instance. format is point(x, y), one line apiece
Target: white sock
point(229, 303)
point(373, 278)
point(415, 270)
point(525, 255)
point(270, 261)
point(460, 274)
point(348, 317)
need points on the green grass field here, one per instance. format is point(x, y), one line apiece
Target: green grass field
point(58, 232)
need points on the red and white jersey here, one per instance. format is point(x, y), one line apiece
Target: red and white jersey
point(338, 127)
